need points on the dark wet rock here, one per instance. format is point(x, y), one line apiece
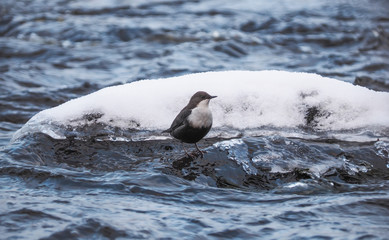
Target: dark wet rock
point(183, 162)
point(342, 175)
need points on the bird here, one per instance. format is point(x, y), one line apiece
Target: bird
point(193, 122)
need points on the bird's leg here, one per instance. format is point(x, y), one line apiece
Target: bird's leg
point(186, 151)
point(201, 152)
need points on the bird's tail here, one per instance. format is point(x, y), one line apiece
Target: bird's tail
point(167, 131)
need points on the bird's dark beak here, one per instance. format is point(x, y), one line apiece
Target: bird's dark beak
point(212, 97)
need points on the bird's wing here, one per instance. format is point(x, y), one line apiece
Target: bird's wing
point(180, 119)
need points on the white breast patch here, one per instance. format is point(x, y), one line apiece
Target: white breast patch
point(200, 117)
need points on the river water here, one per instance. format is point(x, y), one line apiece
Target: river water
point(291, 155)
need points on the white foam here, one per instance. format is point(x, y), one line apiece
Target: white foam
point(246, 100)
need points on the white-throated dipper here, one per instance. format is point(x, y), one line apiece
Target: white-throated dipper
point(194, 121)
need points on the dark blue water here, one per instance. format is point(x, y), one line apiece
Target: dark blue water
point(263, 187)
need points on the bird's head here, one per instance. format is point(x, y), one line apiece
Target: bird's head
point(200, 98)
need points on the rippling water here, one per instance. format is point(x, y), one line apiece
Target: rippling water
point(273, 185)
